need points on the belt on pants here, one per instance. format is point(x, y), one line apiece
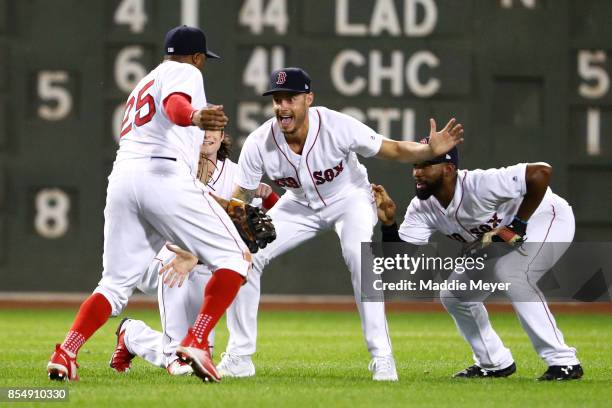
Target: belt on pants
point(164, 158)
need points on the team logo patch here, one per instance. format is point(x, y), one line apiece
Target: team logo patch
point(282, 77)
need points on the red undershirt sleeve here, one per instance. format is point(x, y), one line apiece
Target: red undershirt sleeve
point(178, 108)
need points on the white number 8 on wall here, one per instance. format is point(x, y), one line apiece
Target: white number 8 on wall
point(52, 208)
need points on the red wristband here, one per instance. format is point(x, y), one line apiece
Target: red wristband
point(270, 200)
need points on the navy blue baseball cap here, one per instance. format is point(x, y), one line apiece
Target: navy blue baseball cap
point(289, 80)
point(184, 40)
point(452, 156)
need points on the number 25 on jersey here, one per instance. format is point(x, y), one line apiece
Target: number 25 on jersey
point(144, 99)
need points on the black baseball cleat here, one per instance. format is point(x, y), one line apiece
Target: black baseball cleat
point(479, 372)
point(560, 373)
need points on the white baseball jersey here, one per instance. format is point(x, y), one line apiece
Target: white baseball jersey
point(483, 200)
point(328, 166)
point(223, 179)
point(146, 130)
point(327, 188)
point(151, 201)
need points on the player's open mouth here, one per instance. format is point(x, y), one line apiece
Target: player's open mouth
point(285, 120)
point(208, 142)
point(420, 185)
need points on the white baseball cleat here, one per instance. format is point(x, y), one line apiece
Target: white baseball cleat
point(383, 369)
point(179, 367)
point(233, 365)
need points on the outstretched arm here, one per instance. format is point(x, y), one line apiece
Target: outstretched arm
point(180, 112)
point(413, 152)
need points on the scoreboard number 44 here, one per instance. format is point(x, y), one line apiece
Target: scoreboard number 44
point(257, 14)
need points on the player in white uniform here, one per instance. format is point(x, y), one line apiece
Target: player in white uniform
point(179, 305)
point(154, 197)
point(512, 203)
point(312, 153)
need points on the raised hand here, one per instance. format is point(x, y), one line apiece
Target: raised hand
point(385, 205)
point(211, 117)
point(447, 138)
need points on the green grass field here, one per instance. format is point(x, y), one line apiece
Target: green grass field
point(317, 359)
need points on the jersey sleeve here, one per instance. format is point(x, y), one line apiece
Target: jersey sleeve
point(250, 165)
point(500, 185)
point(415, 229)
point(360, 138)
point(181, 78)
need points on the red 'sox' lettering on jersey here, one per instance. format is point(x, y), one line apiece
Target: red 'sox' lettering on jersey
point(327, 175)
point(287, 182)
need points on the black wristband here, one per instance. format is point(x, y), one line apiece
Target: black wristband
point(519, 226)
point(390, 233)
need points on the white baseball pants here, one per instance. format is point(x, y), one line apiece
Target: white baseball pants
point(353, 219)
point(151, 201)
point(551, 225)
point(178, 308)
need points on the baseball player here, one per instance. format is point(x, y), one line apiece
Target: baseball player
point(311, 152)
point(153, 197)
point(179, 305)
point(511, 204)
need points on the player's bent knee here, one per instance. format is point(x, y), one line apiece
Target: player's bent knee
point(448, 299)
point(259, 263)
point(241, 266)
point(352, 257)
point(117, 298)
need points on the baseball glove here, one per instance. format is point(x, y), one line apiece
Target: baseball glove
point(255, 227)
point(513, 235)
point(206, 168)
